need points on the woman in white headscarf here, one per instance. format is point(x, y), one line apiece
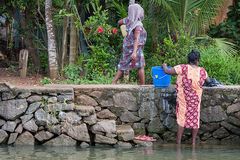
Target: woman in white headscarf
point(133, 43)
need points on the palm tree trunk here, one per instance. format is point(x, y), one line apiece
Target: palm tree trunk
point(52, 51)
point(64, 43)
point(73, 43)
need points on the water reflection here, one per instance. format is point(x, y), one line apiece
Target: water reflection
point(166, 152)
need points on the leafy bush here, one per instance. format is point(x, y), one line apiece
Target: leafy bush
point(45, 80)
point(72, 72)
point(169, 52)
point(224, 68)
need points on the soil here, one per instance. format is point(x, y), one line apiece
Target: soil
point(12, 76)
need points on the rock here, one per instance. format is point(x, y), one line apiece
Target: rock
point(213, 114)
point(65, 98)
point(129, 117)
point(2, 122)
point(143, 143)
point(230, 140)
point(139, 128)
point(24, 95)
point(70, 117)
point(9, 126)
point(62, 140)
point(25, 138)
point(210, 127)
point(123, 144)
point(110, 135)
point(12, 109)
point(156, 126)
point(237, 115)
point(107, 103)
point(91, 120)
point(59, 107)
point(12, 138)
point(125, 133)
point(170, 123)
point(96, 94)
point(33, 107)
point(3, 136)
point(19, 129)
point(84, 145)
point(211, 141)
point(43, 136)
point(26, 118)
point(8, 95)
point(106, 126)
point(148, 110)
point(97, 108)
point(52, 100)
point(86, 100)
point(104, 140)
point(106, 114)
point(30, 126)
point(231, 128)
point(220, 133)
point(205, 136)
point(169, 136)
point(233, 108)
point(85, 110)
point(118, 111)
point(125, 100)
point(79, 132)
point(43, 118)
point(234, 121)
point(34, 98)
point(56, 129)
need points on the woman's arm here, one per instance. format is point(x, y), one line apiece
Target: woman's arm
point(120, 22)
point(167, 70)
point(135, 45)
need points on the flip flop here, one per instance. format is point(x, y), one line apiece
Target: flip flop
point(145, 138)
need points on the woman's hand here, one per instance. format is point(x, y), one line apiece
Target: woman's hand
point(164, 65)
point(134, 56)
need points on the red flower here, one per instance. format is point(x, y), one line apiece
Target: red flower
point(114, 31)
point(100, 29)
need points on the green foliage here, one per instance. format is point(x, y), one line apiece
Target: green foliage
point(169, 52)
point(230, 27)
point(72, 72)
point(224, 68)
point(46, 80)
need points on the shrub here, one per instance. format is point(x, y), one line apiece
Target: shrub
point(72, 72)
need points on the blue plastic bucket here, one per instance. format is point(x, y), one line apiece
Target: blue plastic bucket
point(160, 78)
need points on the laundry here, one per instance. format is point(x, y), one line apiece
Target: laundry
point(145, 138)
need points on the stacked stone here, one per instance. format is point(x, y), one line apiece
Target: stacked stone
point(31, 117)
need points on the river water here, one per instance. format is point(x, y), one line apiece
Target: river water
point(160, 152)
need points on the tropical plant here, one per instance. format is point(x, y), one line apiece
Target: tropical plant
point(230, 27)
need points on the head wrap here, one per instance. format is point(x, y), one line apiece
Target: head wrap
point(135, 16)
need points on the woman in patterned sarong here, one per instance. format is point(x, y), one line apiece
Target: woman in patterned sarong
point(190, 79)
point(133, 43)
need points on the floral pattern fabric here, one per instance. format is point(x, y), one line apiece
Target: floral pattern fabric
point(189, 92)
point(126, 62)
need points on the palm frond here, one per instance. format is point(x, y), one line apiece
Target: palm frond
point(226, 46)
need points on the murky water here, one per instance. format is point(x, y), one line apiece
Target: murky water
point(165, 152)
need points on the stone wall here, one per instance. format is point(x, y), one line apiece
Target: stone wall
point(105, 114)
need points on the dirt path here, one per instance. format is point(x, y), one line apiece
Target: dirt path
point(6, 75)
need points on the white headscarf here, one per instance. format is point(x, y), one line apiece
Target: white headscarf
point(135, 16)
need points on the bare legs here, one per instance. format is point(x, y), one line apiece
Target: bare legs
point(117, 76)
point(180, 133)
point(194, 135)
point(141, 76)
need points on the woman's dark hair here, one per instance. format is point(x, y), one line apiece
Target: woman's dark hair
point(193, 57)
